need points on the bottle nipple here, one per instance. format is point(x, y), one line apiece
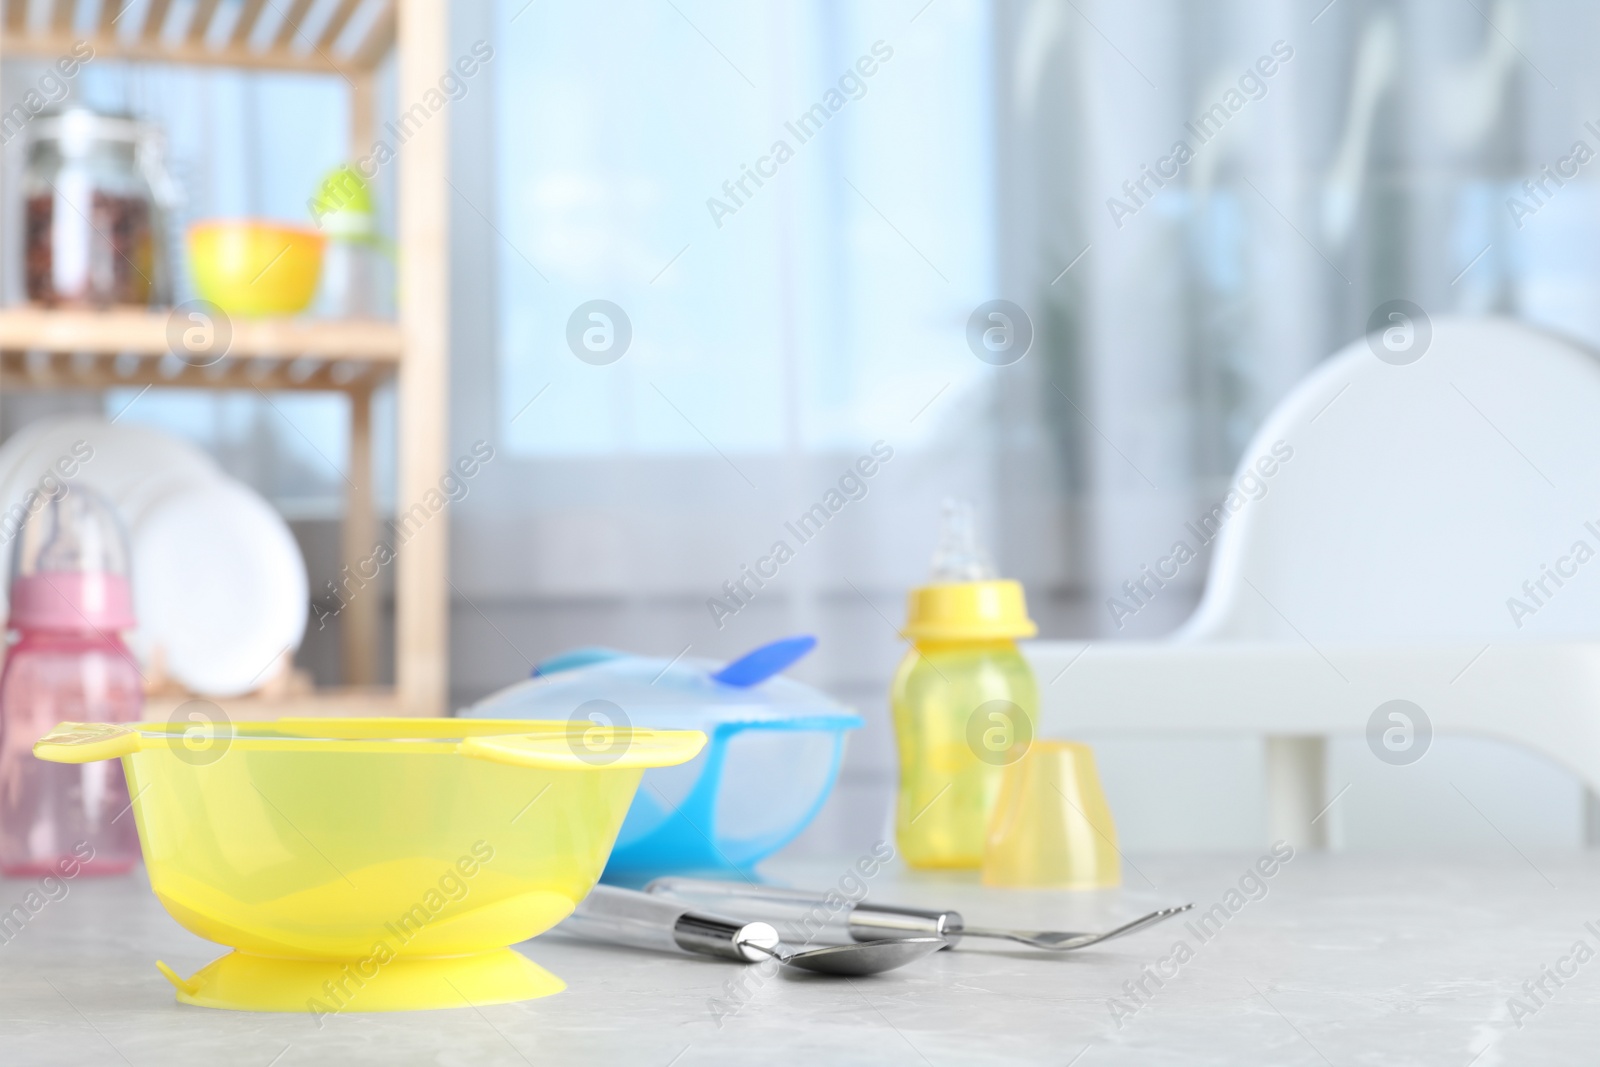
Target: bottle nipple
point(959, 557)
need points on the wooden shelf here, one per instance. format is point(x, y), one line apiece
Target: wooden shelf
point(54, 349)
point(328, 48)
point(322, 704)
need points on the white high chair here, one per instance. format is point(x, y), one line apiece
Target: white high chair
point(1420, 500)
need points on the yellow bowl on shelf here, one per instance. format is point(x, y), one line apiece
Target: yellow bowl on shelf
point(251, 268)
point(372, 864)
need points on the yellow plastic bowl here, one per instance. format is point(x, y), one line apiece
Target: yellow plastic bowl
point(252, 268)
point(372, 864)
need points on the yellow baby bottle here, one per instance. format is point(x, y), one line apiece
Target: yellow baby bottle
point(964, 700)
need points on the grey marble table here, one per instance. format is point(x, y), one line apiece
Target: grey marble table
point(1334, 959)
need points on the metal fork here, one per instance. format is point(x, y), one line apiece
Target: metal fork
point(1063, 941)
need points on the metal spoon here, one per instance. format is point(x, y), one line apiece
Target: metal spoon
point(861, 958)
point(624, 917)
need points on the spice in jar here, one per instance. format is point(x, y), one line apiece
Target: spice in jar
point(91, 225)
point(112, 263)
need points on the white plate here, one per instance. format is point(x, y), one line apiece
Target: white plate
point(219, 584)
point(125, 455)
point(13, 458)
point(17, 445)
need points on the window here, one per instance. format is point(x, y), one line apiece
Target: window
point(800, 310)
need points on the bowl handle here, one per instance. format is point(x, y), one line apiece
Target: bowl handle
point(87, 742)
point(183, 985)
point(621, 748)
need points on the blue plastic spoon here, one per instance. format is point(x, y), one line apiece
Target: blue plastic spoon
point(752, 668)
point(757, 666)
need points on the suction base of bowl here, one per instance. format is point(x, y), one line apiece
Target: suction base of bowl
point(240, 981)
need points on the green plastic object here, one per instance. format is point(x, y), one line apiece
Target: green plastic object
point(342, 206)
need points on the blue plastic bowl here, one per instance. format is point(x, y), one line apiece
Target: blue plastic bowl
point(773, 752)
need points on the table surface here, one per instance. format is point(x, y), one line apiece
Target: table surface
point(1335, 959)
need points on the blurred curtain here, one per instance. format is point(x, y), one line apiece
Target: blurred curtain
point(1339, 155)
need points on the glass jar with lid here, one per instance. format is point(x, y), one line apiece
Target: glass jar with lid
point(93, 233)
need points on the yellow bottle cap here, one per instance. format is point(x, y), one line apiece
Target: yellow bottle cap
point(968, 611)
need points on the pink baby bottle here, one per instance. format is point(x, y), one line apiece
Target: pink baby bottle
point(70, 602)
